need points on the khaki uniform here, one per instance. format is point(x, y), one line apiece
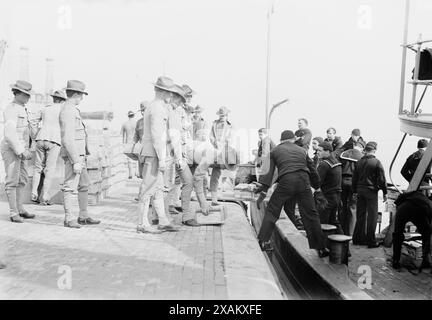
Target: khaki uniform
point(74, 150)
point(139, 131)
point(48, 141)
point(153, 152)
point(127, 133)
point(15, 142)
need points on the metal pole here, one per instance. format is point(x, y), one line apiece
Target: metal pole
point(416, 74)
point(268, 67)
point(404, 52)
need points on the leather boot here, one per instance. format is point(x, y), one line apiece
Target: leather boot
point(214, 196)
point(67, 205)
point(143, 210)
point(83, 203)
point(12, 200)
point(397, 248)
point(19, 198)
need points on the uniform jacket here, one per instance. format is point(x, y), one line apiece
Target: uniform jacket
point(155, 130)
point(350, 144)
point(220, 133)
point(16, 128)
point(139, 130)
point(330, 173)
point(337, 143)
point(50, 124)
point(369, 173)
point(411, 165)
point(348, 159)
point(73, 133)
point(288, 157)
point(418, 200)
point(128, 131)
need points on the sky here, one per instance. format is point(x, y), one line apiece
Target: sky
point(337, 61)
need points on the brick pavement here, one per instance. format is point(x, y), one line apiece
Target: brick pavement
point(112, 261)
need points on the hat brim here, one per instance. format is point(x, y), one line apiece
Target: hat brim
point(164, 88)
point(29, 92)
point(56, 96)
point(222, 113)
point(76, 90)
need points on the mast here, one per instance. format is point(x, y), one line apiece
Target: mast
point(404, 53)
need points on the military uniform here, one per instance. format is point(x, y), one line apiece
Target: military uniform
point(220, 134)
point(139, 130)
point(153, 153)
point(15, 142)
point(128, 132)
point(48, 142)
point(74, 150)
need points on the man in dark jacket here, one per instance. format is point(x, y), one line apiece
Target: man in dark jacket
point(296, 174)
point(368, 179)
point(413, 161)
point(330, 173)
point(315, 143)
point(335, 141)
point(355, 136)
point(347, 215)
point(416, 208)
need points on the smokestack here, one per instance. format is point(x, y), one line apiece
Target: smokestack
point(49, 81)
point(24, 64)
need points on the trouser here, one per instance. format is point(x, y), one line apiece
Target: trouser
point(131, 168)
point(186, 180)
point(330, 213)
point(367, 215)
point(408, 212)
point(199, 173)
point(294, 185)
point(214, 181)
point(16, 179)
point(75, 182)
point(140, 166)
point(151, 186)
point(289, 208)
point(347, 215)
point(45, 160)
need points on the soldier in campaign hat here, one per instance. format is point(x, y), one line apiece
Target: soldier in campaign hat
point(127, 132)
point(15, 149)
point(74, 151)
point(48, 142)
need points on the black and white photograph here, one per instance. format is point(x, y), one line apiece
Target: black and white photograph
point(215, 155)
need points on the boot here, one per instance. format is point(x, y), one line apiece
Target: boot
point(83, 203)
point(214, 196)
point(2, 265)
point(12, 200)
point(159, 207)
point(143, 210)
point(67, 205)
point(19, 198)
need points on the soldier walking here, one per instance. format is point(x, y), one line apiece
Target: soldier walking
point(48, 142)
point(154, 149)
point(127, 133)
point(14, 150)
point(74, 151)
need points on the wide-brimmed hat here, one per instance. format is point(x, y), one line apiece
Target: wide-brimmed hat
point(188, 91)
point(77, 86)
point(59, 94)
point(164, 83)
point(179, 90)
point(23, 86)
point(131, 114)
point(223, 111)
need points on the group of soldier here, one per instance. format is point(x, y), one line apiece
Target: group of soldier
point(172, 161)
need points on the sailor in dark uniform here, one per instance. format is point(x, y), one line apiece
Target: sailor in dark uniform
point(413, 161)
point(296, 174)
